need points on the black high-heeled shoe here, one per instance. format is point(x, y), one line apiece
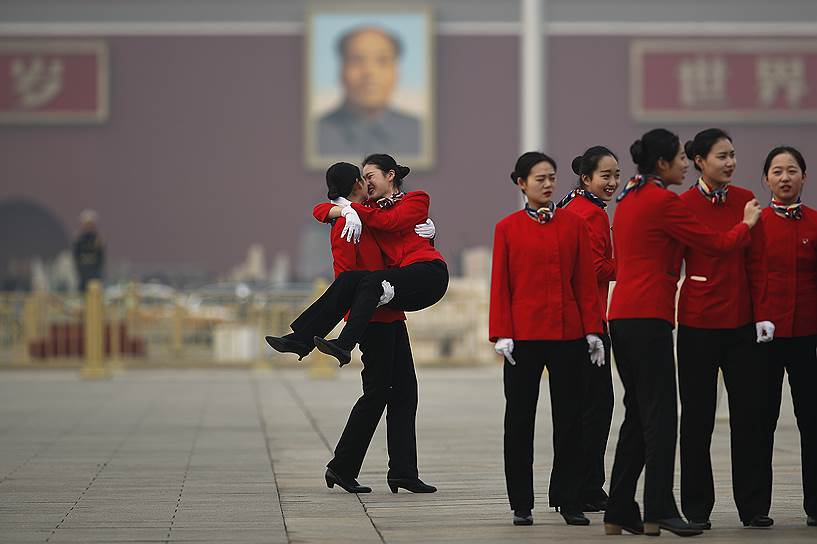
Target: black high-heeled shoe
point(350, 486)
point(574, 518)
point(330, 347)
point(415, 485)
point(674, 525)
point(703, 525)
point(522, 517)
point(284, 344)
point(759, 522)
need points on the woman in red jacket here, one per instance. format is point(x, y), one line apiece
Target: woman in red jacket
point(599, 176)
point(388, 369)
point(416, 271)
point(721, 320)
point(544, 311)
point(652, 227)
point(791, 249)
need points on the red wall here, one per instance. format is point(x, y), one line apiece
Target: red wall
point(202, 156)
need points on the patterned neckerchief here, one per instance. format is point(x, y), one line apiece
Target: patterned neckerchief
point(586, 194)
point(636, 182)
point(790, 211)
point(389, 201)
point(715, 196)
point(542, 215)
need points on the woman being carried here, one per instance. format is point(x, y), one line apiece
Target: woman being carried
point(419, 275)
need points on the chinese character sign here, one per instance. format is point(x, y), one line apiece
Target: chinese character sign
point(762, 80)
point(53, 81)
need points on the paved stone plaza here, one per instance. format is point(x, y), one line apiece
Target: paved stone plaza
point(238, 456)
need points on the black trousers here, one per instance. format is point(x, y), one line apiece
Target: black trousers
point(646, 365)
point(389, 382)
point(701, 352)
point(564, 360)
point(326, 312)
point(798, 357)
point(597, 399)
point(416, 286)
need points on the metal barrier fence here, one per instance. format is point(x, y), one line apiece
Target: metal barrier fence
point(155, 325)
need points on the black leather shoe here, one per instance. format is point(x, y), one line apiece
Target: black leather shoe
point(350, 485)
point(702, 525)
point(330, 347)
point(760, 522)
point(811, 521)
point(634, 528)
point(674, 525)
point(415, 485)
point(288, 345)
point(574, 518)
point(522, 517)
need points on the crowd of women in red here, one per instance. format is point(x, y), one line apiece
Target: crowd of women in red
point(747, 308)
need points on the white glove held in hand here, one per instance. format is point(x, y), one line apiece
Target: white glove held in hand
point(426, 230)
point(595, 347)
point(353, 227)
point(765, 331)
point(388, 293)
point(504, 347)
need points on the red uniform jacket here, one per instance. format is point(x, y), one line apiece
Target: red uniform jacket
point(365, 255)
point(598, 224)
point(723, 291)
point(393, 229)
point(650, 229)
point(543, 286)
point(791, 252)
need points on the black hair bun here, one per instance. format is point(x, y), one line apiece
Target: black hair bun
point(576, 165)
point(514, 177)
point(689, 149)
point(637, 151)
point(402, 171)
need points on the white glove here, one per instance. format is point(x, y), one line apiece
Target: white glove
point(388, 293)
point(765, 331)
point(426, 230)
point(504, 347)
point(353, 227)
point(595, 347)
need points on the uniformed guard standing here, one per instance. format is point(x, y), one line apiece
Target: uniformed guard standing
point(89, 250)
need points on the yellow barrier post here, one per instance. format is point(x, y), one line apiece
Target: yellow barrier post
point(177, 341)
point(31, 325)
point(94, 367)
point(321, 366)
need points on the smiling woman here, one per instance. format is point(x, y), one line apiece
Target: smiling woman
point(720, 321)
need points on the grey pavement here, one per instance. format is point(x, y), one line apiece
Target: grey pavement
point(238, 456)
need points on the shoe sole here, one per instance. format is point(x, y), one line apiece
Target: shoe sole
point(324, 347)
point(278, 346)
point(654, 529)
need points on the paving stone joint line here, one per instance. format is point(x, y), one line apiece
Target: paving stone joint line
point(196, 434)
point(263, 422)
point(312, 421)
point(104, 464)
